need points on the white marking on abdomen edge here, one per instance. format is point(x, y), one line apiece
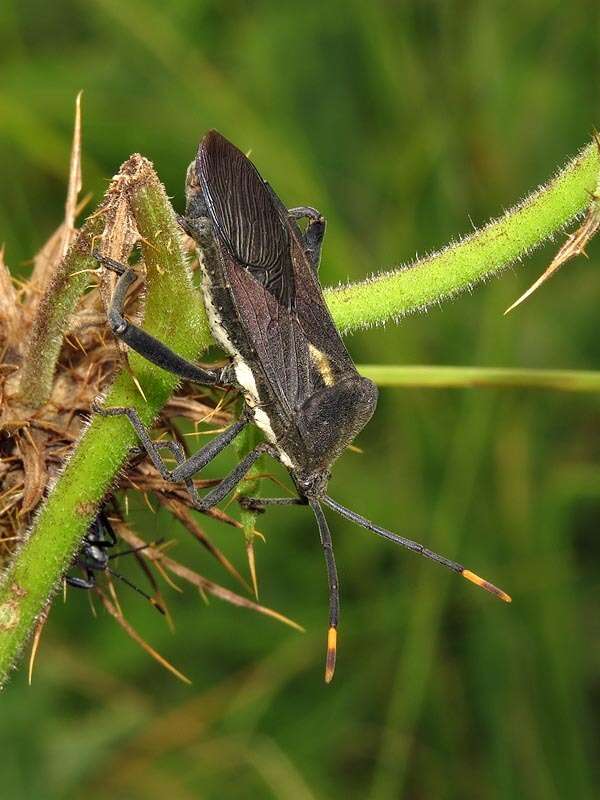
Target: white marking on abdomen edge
point(245, 378)
point(243, 373)
point(262, 421)
point(285, 459)
point(214, 318)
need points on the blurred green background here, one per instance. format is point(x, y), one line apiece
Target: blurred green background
point(405, 123)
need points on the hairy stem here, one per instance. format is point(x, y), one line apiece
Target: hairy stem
point(56, 307)
point(175, 314)
point(390, 295)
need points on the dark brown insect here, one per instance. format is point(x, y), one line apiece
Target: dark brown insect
point(267, 311)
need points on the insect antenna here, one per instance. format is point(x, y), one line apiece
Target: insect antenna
point(334, 595)
point(131, 550)
point(137, 589)
point(417, 548)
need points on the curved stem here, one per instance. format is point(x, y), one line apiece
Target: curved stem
point(55, 310)
point(460, 265)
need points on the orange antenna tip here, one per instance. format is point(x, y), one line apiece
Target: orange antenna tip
point(489, 587)
point(331, 654)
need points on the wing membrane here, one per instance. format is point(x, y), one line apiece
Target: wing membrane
point(279, 344)
point(245, 216)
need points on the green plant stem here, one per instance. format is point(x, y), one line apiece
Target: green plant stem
point(175, 314)
point(39, 564)
point(480, 255)
point(433, 377)
point(55, 310)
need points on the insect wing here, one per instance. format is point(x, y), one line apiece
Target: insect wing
point(245, 216)
point(277, 294)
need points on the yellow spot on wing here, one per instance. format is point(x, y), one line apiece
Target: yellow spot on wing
point(322, 363)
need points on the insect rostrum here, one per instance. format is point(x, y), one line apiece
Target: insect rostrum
point(266, 310)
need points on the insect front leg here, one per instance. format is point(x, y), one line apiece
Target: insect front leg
point(146, 345)
point(312, 238)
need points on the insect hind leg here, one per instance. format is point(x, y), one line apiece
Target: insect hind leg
point(235, 477)
point(312, 238)
point(186, 467)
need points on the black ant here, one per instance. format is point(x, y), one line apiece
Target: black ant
point(94, 557)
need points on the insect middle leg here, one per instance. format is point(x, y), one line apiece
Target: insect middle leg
point(186, 467)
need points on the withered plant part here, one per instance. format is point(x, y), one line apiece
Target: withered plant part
point(117, 614)
point(158, 557)
point(36, 438)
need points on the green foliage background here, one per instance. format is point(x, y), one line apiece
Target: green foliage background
point(404, 123)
